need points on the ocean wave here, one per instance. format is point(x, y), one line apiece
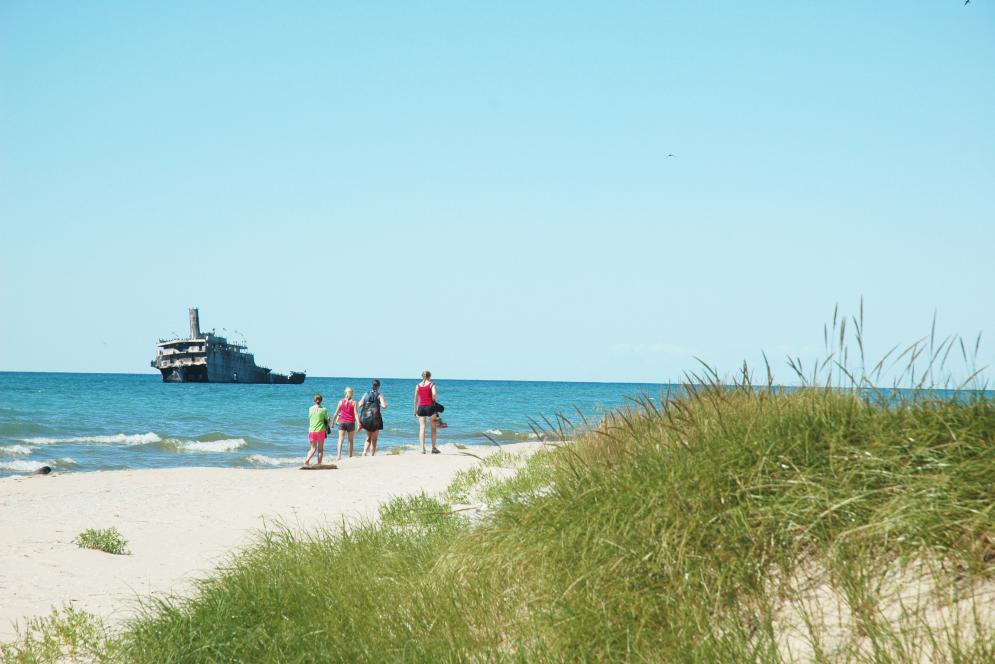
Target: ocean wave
point(118, 439)
point(21, 466)
point(25, 466)
point(223, 445)
point(263, 460)
point(15, 449)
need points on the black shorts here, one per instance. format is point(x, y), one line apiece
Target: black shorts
point(427, 411)
point(347, 426)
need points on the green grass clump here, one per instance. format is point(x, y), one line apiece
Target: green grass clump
point(463, 483)
point(66, 635)
point(533, 479)
point(108, 540)
point(499, 459)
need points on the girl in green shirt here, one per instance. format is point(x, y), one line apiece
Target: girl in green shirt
point(317, 416)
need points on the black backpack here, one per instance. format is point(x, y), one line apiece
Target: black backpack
point(370, 415)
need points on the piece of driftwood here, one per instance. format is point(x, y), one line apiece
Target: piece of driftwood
point(320, 466)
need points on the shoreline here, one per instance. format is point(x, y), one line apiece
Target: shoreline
point(255, 461)
point(180, 523)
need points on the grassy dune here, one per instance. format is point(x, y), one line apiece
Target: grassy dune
point(733, 524)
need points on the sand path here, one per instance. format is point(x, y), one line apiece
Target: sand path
point(180, 524)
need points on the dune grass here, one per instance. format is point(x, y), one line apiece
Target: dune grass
point(65, 635)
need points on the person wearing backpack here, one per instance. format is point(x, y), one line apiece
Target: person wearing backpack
point(370, 417)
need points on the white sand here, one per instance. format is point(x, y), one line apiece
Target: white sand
point(180, 524)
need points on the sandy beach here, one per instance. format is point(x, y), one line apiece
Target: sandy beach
point(180, 524)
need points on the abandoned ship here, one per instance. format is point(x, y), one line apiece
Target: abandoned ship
point(209, 358)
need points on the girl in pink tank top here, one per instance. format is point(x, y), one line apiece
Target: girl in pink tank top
point(426, 395)
point(345, 413)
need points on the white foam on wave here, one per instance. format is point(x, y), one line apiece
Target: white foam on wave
point(494, 432)
point(118, 439)
point(15, 449)
point(263, 460)
point(25, 466)
point(21, 466)
point(224, 445)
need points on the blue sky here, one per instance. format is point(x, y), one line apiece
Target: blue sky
point(484, 189)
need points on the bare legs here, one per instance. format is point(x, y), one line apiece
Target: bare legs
point(352, 440)
point(421, 431)
point(319, 447)
point(371, 442)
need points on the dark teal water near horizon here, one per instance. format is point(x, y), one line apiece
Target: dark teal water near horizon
point(86, 422)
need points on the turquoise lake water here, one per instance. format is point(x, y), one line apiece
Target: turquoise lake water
point(83, 422)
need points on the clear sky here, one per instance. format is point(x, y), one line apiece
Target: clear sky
point(484, 189)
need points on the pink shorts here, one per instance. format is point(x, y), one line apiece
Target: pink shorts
point(316, 436)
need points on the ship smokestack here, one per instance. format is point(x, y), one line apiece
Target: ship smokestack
point(194, 324)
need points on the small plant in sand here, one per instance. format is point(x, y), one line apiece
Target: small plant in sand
point(108, 540)
point(65, 635)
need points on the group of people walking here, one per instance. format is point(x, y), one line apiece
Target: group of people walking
point(367, 415)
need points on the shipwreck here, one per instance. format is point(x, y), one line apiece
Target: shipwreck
point(205, 357)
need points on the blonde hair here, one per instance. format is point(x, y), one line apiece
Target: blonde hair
point(348, 392)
